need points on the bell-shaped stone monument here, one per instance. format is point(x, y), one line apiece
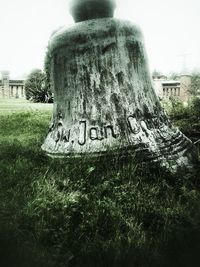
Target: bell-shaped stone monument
point(104, 101)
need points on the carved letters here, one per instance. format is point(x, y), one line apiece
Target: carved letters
point(63, 134)
point(94, 132)
point(97, 133)
point(133, 124)
point(82, 133)
point(109, 131)
point(66, 135)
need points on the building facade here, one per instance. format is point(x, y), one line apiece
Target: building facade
point(166, 89)
point(11, 88)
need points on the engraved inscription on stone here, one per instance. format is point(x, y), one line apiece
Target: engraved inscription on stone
point(133, 124)
point(82, 133)
point(96, 133)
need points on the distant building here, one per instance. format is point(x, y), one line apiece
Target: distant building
point(166, 89)
point(11, 88)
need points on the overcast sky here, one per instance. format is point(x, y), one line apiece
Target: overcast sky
point(170, 28)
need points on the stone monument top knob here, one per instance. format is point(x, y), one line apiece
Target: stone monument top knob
point(82, 10)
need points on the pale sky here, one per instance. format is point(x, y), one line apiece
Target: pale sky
point(170, 28)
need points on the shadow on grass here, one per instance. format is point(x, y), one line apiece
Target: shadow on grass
point(91, 213)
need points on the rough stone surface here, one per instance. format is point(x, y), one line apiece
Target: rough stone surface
point(104, 99)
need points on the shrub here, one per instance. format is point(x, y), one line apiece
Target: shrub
point(36, 89)
point(176, 109)
point(195, 107)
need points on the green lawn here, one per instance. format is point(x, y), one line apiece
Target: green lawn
point(56, 213)
point(19, 105)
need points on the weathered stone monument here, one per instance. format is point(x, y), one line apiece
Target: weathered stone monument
point(103, 95)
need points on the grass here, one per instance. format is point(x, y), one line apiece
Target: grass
point(78, 214)
point(8, 106)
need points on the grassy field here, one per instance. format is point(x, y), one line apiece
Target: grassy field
point(20, 105)
point(55, 213)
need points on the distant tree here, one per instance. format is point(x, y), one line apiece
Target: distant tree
point(47, 66)
point(156, 73)
point(36, 89)
point(173, 76)
point(195, 84)
point(195, 106)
